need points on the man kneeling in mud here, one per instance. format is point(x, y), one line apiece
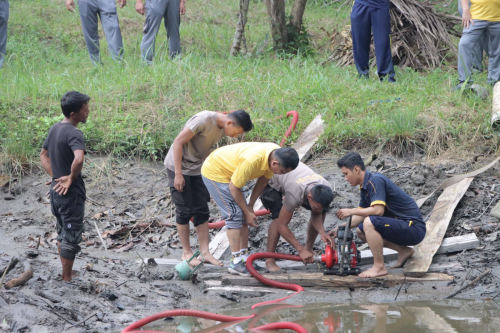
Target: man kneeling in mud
point(386, 216)
point(62, 158)
point(287, 192)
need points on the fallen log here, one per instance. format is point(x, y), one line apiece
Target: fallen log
point(25, 276)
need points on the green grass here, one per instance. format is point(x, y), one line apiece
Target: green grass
point(137, 110)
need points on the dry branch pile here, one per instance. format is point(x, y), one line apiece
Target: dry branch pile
point(420, 38)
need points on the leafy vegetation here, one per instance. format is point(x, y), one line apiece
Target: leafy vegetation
point(136, 110)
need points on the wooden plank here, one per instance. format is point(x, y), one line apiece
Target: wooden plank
point(219, 245)
point(495, 212)
point(334, 281)
point(449, 245)
point(437, 224)
point(495, 108)
point(309, 137)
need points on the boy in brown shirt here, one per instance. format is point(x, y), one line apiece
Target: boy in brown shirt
point(183, 162)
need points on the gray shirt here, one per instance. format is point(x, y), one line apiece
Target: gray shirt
point(206, 135)
point(296, 184)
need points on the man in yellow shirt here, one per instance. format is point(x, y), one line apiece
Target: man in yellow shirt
point(226, 170)
point(482, 16)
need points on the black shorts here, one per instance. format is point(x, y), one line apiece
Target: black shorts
point(69, 210)
point(192, 201)
point(398, 231)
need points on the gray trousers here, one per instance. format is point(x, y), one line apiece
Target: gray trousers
point(155, 11)
point(469, 43)
point(90, 10)
point(477, 59)
point(4, 18)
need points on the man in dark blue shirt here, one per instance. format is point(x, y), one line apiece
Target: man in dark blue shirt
point(386, 216)
point(372, 16)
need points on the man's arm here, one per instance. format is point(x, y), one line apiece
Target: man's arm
point(45, 161)
point(282, 221)
point(70, 5)
point(139, 7)
point(63, 183)
point(360, 213)
point(250, 217)
point(317, 221)
point(182, 7)
point(466, 16)
point(257, 190)
point(183, 137)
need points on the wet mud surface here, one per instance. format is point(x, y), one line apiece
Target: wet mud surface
point(130, 204)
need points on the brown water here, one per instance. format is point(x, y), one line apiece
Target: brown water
point(440, 316)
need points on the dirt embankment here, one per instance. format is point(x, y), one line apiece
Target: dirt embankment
point(130, 205)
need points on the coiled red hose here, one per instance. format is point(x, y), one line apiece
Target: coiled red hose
point(184, 313)
point(269, 282)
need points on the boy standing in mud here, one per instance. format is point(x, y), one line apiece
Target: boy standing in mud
point(226, 171)
point(62, 158)
point(285, 193)
point(183, 162)
point(386, 216)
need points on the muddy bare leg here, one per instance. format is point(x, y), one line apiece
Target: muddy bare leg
point(273, 237)
point(404, 253)
point(67, 269)
point(376, 243)
point(183, 231)
point(202, 232)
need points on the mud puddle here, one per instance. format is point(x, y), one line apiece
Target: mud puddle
point(410, 317)
point(130, 205)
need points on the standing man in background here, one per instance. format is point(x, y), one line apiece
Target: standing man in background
point(477, 61)
point(90, 10)
point(4, 19)
point(372, 16)
point(483, 16)
point(62, 158)
point(155, 10)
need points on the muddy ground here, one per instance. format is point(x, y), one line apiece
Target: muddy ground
point(129, 202)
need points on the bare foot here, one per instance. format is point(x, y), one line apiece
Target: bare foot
point(403, 256)
point(373, 272)
point(194, 262)
point(272, 267)
point(211, 260)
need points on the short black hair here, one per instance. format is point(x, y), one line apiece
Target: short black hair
point(242, 119)
point(72, 101)
point(350, 160)
point(322, 194)
point(287, 157)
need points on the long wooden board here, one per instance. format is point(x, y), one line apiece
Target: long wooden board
point(334, 281)
point(436, 228)
point(219, 245)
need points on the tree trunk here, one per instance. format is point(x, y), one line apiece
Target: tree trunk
point(276, 12)
point(239, 35)
point(299, 6)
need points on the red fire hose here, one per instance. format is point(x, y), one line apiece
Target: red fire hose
point(295, 119)
point(285, 325)
point(269, 282)
point(184, 313)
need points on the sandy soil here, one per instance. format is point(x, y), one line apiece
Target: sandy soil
point(130, 204)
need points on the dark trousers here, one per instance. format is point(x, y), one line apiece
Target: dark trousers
point(364, 20)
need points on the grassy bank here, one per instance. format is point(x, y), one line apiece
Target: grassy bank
point(137, 110)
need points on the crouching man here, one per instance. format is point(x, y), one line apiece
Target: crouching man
point(62, 158)
point(386, 216)
point(287, 192)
